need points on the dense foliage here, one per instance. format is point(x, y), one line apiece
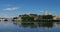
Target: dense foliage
point(34, 16)
point(47, 17)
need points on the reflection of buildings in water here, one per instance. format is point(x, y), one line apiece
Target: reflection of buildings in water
point(32, 25)
point(18, 23)
point(56, 24)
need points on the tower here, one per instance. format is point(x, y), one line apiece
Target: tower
point(46, 13)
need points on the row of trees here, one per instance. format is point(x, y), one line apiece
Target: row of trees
point(34, 16)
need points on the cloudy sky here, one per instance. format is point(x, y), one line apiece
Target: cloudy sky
point(12, 8)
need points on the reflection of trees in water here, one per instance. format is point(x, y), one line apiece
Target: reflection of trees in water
point(34, 25)
point(17, 23)
point(31, 25)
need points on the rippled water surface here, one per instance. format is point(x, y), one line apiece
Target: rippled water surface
point(10, 26)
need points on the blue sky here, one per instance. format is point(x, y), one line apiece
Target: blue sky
point(12, 8)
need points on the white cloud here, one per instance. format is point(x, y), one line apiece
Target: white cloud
point(9, 9)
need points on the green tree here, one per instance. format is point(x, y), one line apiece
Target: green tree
point(47, 17)
point(33, 15)
point(15, 18)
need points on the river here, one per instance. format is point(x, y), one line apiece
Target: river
point(16, 26)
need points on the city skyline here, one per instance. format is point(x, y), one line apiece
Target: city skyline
point(12, 8)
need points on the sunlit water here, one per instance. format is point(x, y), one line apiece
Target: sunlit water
point(10, 26)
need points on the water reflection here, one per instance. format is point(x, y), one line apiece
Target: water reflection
point(56, 24)
point(38, 26)
point(33, 24)
point(18, 26)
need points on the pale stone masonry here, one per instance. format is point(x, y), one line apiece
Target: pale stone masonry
point(56, 17)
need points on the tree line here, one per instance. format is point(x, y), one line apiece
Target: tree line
point(34, 17)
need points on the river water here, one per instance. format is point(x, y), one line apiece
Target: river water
point(10, 26)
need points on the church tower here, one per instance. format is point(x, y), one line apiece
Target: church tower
point(47, 13)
